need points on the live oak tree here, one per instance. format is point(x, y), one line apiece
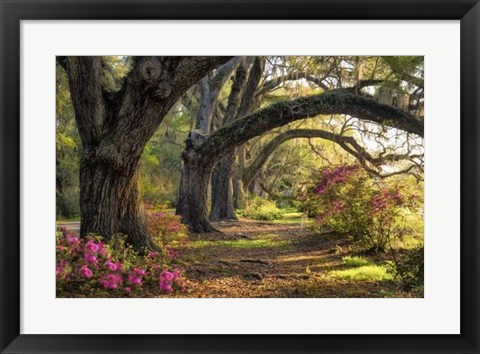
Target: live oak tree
point(114, 127)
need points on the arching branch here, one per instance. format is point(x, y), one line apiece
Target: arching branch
point(282, 113)
point(294, 76)
point(348, 143)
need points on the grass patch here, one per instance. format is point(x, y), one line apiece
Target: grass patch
point(267, 242)
point(292, 216)
point(364, 273)
point(353, 262)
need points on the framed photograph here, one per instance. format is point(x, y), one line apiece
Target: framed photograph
point(236, 176)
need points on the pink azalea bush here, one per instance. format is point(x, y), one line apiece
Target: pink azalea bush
point(165, 228)
point(90, 267)
point(347, 200)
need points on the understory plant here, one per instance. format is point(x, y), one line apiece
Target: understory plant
point(165, 228)
point(372, 212)
point(93, 267)
point(408, 268)
point(261, 209)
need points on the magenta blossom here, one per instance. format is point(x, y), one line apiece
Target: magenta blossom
point(86, 272)
point(172, 254)
point(166, 286)
point(90, 258)
point(134, 280)
point(168, 276)
point(152, 254)
point(110, 265)
point(92, 247)
point(111, 281)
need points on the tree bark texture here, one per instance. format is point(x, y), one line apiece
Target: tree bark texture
point(192, 201)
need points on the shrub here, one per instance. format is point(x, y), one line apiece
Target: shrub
point(372, 212)
point(89, 267)
point(408, 268)
point(165, 228)
point(261, 209)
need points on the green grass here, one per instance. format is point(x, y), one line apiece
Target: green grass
point(353, 262)
point(363, 273)
point(267, 241)
point(292, 216)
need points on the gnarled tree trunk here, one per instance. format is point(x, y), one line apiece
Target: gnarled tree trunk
point(111, 203)
point(192, 201)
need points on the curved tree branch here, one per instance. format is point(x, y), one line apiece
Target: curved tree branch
point(279, 114)
point(297, 75)
point(348, 143)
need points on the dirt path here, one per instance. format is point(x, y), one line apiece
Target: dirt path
point(264, 259)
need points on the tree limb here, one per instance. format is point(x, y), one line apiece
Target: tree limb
point(281, 113)
point(348, 143)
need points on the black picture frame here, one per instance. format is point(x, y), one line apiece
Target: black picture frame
point(13, 11)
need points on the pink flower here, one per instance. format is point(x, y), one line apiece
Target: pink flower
point(90, 258)
point(101, 249)
point(110, 265)
point(172, 254)
point(165, 285)
point(135, 277)
point(86, 272)
point(128, 290)
point(152, 254)
point(111, 281)
point(92, 246)
point(168, 276)
point(139, 272)
point(134, 280)
point(72, 240)
point(59, 270)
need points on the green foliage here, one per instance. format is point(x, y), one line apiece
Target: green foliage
point(261, 209)
point(408, 267)
point(68, 206)
point(67, 146)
